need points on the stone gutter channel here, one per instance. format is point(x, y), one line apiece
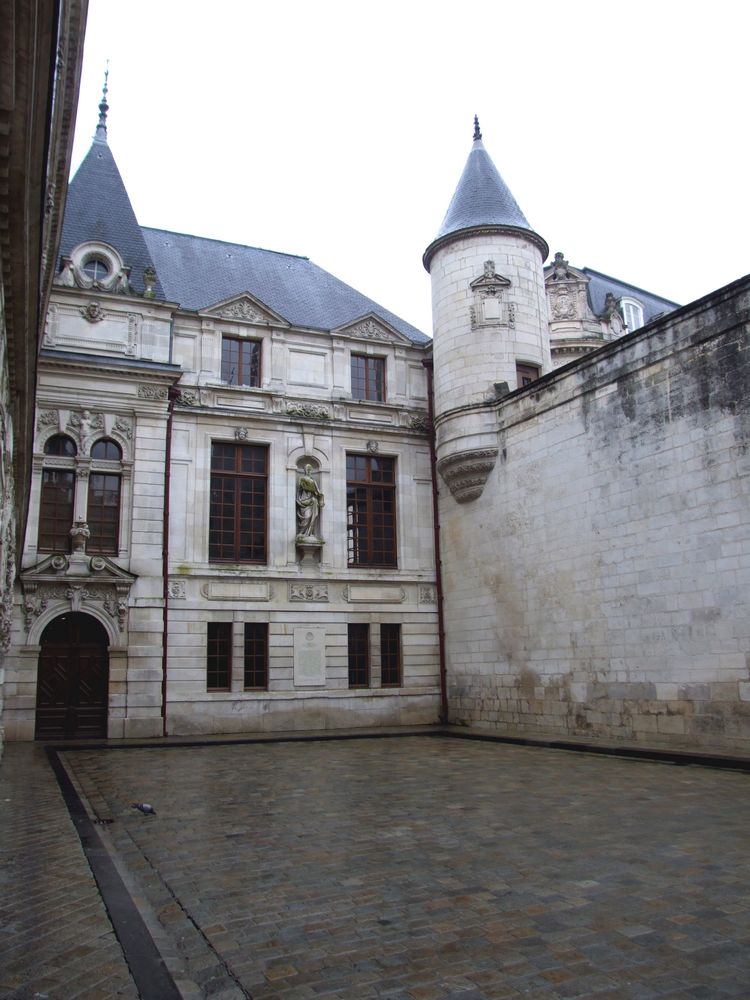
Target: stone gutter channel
point(168, 955)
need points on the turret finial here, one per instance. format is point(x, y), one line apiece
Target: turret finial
point(101, 128)
point(477, 131)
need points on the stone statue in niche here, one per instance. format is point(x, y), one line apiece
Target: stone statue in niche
point(310, 501)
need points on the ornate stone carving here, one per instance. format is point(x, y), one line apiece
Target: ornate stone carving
point(244, 309)
point(8, 571)
point(156, 392)
point(85, 423)
point(417, 422)
point(48, 418)
point(188, 397)
point(79, 534)
point(308, 592)
point(149, 282)
point(369, 329)
point(427, 594)
point(489, 307)
point(466, 473)
point(372, 447)
point(177, 590)
point(241, 434)
point(92, 312)
point(123, 426)
point(308, 411)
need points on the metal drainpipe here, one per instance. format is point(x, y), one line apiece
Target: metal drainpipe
point(172, 398)
point(438, 560)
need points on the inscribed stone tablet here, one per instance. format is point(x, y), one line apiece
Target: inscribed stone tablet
point(309, 657)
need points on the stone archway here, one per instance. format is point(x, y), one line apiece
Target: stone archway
point(73, 679)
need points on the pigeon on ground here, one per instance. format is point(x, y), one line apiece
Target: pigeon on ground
point(145, 808)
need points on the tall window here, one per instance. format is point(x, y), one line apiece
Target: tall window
point(371, 510)
point(240, 361)
point(256, 655)
point(359, 655)
point(526, 374)
point(103, 511)
point(368, 378)
point(218, 656)
point(390, 655)
point(57, 495)
point(239, 500)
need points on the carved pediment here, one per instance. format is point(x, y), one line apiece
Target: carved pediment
point(371, 327)
point(76, 581)
point(490, 280)
point(245, 308)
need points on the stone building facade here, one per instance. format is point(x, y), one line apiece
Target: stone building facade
point(260, 500)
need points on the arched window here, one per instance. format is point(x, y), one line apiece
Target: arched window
point(632, 313)
point(97, 267)
point(56, 499)
point(61, 445)
point(103, 507)
point(106, 449)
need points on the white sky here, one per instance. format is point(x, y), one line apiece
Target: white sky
point(338, 130)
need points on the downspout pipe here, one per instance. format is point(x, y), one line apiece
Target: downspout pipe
point(443, 718)
point(174, 395)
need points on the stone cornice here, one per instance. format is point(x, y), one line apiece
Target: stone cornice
point(490, 230)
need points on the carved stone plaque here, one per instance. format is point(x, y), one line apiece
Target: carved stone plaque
point(309, 657)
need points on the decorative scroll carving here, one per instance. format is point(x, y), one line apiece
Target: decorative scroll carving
point(8, 571)
point(86, 423)
point(466, 473)
point(177, 590)
point(308, 592)
point(156, 392)
point(427, 594)
point(188, 397)
point(308, 411)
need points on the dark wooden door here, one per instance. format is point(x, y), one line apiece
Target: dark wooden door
point(73, 679)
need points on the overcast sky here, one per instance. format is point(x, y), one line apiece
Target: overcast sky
point(338, 130)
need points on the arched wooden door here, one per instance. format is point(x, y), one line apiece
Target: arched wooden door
point(73, 679)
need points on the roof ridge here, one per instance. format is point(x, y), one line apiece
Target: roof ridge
point(628, 284)
point(227, 243)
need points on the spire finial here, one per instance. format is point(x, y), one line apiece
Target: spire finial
point(477, 131)
point(101, 128)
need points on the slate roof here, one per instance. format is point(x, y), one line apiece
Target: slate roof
point(600, 284)
point(198, 272)
point(98, 208)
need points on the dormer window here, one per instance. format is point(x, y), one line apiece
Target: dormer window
point(632, 313)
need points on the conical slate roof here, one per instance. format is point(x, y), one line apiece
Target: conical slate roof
point(481, 199)
point(98, 208)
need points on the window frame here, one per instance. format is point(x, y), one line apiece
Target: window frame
point(259, 657)
point(251, 366)
point(391, 656)
point(367, 538)
point(368, 385)
point(526, 373)
point(632, 306)
point(220, 500)
point(358, 655)
point(219, 648)
point(56, 517)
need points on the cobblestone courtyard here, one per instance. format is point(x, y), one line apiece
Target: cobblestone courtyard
point(411, 868)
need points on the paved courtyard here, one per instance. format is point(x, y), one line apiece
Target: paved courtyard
point(413, 868)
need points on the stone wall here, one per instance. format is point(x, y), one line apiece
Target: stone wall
point(600, 585)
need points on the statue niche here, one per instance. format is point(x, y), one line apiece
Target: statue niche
point(309, 502)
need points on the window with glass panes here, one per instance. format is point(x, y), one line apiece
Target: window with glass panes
point(218, 656)
point(240, 361)
point(57, 496)
point(103, 509)
point(526, 374)
point(359, 655)
point(368, 378)
point(239, 501)
point(256, 655)
point(371, 510)
point(390, 655)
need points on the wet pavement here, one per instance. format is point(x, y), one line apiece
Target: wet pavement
point(409, 868)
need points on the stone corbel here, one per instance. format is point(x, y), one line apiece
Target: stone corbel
point(466, 472)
